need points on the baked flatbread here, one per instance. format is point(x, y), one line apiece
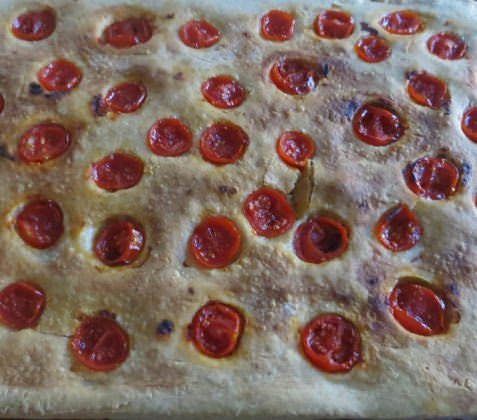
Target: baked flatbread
point(252, 208)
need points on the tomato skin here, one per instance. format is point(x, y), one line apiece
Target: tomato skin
point(223, 92)
point(215, 242)
point(447, 46)
point(373, 49)
point(126, 97)
point(119, 242)
point(432, 178)
point(320, 239)
point(223, 143)
point(216, 329)
point(117, 171)
point(59, 76)
point(169, 137)
point(2, 103)
point(295, 76)
point(199, 34)
point(35, 25)
point(277, 26)
point(377, 126)
point(295, 148)
point(334, 24)
point(100, 344)
point(427, 90)
point(418, 308)
point(402, 22)
point(21, 305)
point(269, 212)
point(127, 33)
point(40, 223)
point(469, 123)
point(43, 142)
point(331, 343)
point(398, 229)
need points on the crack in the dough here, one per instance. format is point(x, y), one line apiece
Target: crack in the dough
point(47, 333)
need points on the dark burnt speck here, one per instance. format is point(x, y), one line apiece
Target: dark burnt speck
point(453, 288)
point(372, 281)
point(325, 69)
point(56, 96)
point(98, 106)
point(225, 189)
point(350, 109)
point(446, 108)
point(170, 16)
point(363, 204)
point(165, 327)
point(365, 27)
point(35, 89)
point(465, 173)
point(5, 154)
point(179, 76)
point(107, 314)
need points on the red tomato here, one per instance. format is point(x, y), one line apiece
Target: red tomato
point(428, 90)
point(320, 239)
point(331, 343)
point(334, 24)
point(447, 45)
point(418, 309)
point(216, 329)
point(59, 76)
point(295, 148)
point(469, 123)
point(117, 171)
point(277, 25)
point(223, 143)
point(169, 137)
point(127, 33)
point(34, 25)
point(377, 126)
point(119, 242)
point(295, 76)
point(21, 305)
point(398, 229)
point(433, 178)
point(44, 142)
point(269, 212)
point(100, 344)
point(373, 49)
point(223, 92)
point(40, 223)
point(215, 242)
point(402, 22)
point(126, 97)
point(199, 34)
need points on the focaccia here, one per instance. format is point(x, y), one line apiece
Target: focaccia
point(253, 208)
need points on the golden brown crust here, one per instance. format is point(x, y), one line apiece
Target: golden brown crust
point(402, 375)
